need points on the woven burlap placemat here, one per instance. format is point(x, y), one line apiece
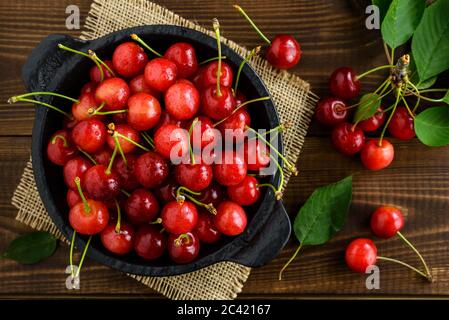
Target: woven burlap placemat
point(295, 105)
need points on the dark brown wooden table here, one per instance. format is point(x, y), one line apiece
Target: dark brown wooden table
point(332, 34)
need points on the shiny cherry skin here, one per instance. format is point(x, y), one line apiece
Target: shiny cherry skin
point(183, 249)
point(213, 194)
point(203, 133)
point(205, 229)
point(114, 92)
point(138, 85)
point(167, 192)
point(170, 138)
point(60, 148)
point(121, 242)
point(182, 100)
point(239, 98)
point(166, 118)
point(331, 111)
point(217, 107)
point(209, 75)
point(179, 217)
point(402, 125)
point(99, 184)
point(144, 111)
point(149, 242)
point(237, 123)
point(246, 192)
point(160, 74)
point(230, 218)
point(103, 156)
point(75, 167)
point(360, 254)
point(184, 56)
point(197, 78)
point(151, 170)
point(195, 177)
point(90, 135)
point(231, 170)
point(95, 74)
point(69, 124)
point(92, 222)
point(373, 123)
point(73, 197)
point(284, 52)
point(127, 131)
point(129, 59)
point(344, 84)
point(257, 155)
point(347, 139)
point(141, 207)
point(80, 109)
point(375, 156)
point(387, 221)
point(125, 172)
point(88, 88)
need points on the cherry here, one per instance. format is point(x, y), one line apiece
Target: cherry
point(149, 242)
point(141, 206)
point(60, 149)
point(144, 111)
point(209, 75)
point(231, 169)
point(183, 248)
point(375, 156)
point(239, 98)
point(237, 122)
point(257, 155)
point(205, 229)
point(182, 100)
point(89, 135)
point(170, 139)
point(402, 125)
point(387, 221)
point(118, 241)
point(73, 198)
point(121, 117)
point(69, 124)
point(75, 167)
point(101, 183)
point(95, 74)
point(213, 194)
point(184, 56)
point(179, 217)
point(284, 52)
point(138, 85)
point(344, 84)
point(230, 219)
point(81, 109)
point(246, 192)
point(167, 192)
point(348, 139)
point(125, 172)
point(151, 170)
point(103, 156)
point(197, 78)
point(160, 74)
point(331, 111)
point(166, 118)
point(126, 131)
point(88, 88)
point(373, 123)
point(217, 106)
point(203, 133)
point(360, 254)
point(129, 59)
point(195, 177)
point(114, 92)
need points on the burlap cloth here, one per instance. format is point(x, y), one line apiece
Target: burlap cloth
point(295, 105)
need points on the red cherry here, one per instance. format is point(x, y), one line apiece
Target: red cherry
point(138, 85)
point(209, 75)
point(88, 88)
point(86, 102)
point(375, 157)
point(179, 217)
point(121, 242)
point(183, 248)
point(69, 124)
point(75, 167)
point(197, 78)
point(114, 92)
point(284, 52)
point(344, 84)
point(331, 111)
point(125, 172)
point(129, 59)
point(120, 118)
point(100, 184)
point(195, 177)
point(182, 100)
point(128, 132)
point(402, 125)
point(95, 74)
point(230, 219)
point(144, 111)
point(360, 254)
point(213, 194)
point(89, 222)
point(60, 148)
point(167, 192)
point(373, 123)
point(184, 56)
point(90, 135)
point(237, 122)
point(141, 206)
point(203, 133)
point(103, 156)
point(257, 155)
point(151, 170)
point(149, 242)
point(160, 74)
point(170, 137)
point(246, 192)
point(205, 229)
point(231, 169)
point(348, 139)
point(166, 118)
point(386, 221)
point(73, 197)
point(217, 107)
point(239, 98)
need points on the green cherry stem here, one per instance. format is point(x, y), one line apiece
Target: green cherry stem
point(93, 112)
point(387, 66)
point(256, 50)
point(387, 53)
point(429, 275)
point(40, 103)
point(58, 136)
point(407, 107)
point(88, 156)
point(192, 156)
point(119, 135)
point(111, 162)
point(83, 256)
point(72, 245)
point(96, 61)
point(135, 37)
point(126, 193)
point(211, 59)
point(240, 107)
point(45, 93)
point(289, 261)
point(94, 57)
point(119, 147)
point(180, 197)
point(148, 139)
point(243, 13)
point(429, 278)
point(119, 217)
point(399, 94)
point(80, 191)
point(216, 26)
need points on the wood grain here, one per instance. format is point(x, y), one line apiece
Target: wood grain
point(332, 34)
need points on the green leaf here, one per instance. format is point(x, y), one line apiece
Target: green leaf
point(401, 20)
point(414, 76)
point(430, 44)
point(446, 97)
point(383, 6)
point(31, 248)
point(432, 126)
point(324, 213)
point(369, 103)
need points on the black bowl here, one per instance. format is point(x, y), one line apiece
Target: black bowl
point(51, 69)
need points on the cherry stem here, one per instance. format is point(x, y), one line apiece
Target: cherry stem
point(15, 99)
point(408, 108)
point(157, 221)
point(392, 55)
point(111, 162)
point(212, 59)
point(243, 13)
point(399, 94)
point(256, 50)
point(279, 128)
point(45, 93)
point(105, 113)
point(417, 253)
point(72, 245)
point(180, 197)
point(387, 53)
point(240, 107)
point(148, 139)
point(381, 89)
point(278, 191)
point(119, 135)
point(58, 136)
point(275, 190)
point(94, 56)
point(389, 66)
point(96, 61)
point(192, 156)
point(88, 156)
point(119, 217)
point(178, 240)
point(80, 191)
point(406, 265)
point(417, 93)
point(135, 37)
point(126, 193)
point(119, 147)
point(216, 26)
point(289, 261)
point(83, 256)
